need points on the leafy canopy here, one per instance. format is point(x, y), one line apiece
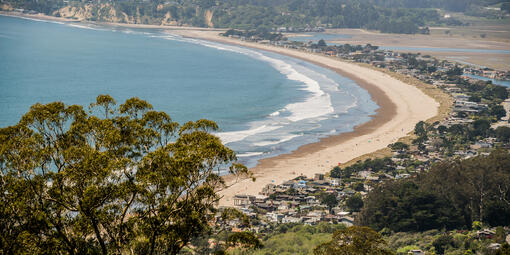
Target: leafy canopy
point(109, 180)
point(353, 240)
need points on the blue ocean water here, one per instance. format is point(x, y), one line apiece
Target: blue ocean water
point(265, 104)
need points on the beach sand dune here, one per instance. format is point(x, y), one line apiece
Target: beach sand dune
point(401, 107)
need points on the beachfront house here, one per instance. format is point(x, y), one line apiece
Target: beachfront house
point(243, 200)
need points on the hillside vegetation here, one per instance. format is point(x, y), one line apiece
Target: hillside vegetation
point(402, 16)
point(452, 195)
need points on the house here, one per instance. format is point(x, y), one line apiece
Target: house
point(274, 217)
point(259, 199)
point(283, 207)
point(290, 219)
point(312, 221)
point(494, 246)
point(335, 182)
point(243, 200)
point(310, 200)
point(346, 220)
point(300, 184)
point(318, 177)
point(342, 213)
point(486, 233)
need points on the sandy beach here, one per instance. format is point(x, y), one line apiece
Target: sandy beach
point(401, 107)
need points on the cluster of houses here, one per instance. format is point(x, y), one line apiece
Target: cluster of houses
point(487, 73)
point(299, 200)
point(298, 29)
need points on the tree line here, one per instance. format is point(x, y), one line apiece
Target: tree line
point(452, 195)
point(266, 14)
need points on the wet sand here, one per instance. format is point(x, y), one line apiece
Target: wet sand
point(401, 106)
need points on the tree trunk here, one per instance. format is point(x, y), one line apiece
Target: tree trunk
point(98, 236)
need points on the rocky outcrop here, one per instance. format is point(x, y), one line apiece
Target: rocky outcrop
point(101, 12)
point(208, 15)
point(6, 7)
point(108, 12)
point(169, 21)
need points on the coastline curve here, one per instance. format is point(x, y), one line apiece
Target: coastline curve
point(401, 106)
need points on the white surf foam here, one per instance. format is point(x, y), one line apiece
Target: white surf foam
point(281, 140)
point(235, 136)
point(85, 27)
point(315, 105)
point(249, 154)
point(34, 19)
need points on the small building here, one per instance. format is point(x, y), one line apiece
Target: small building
point(318, 177)
point(243, 200)
point(290, 219)
point(335, 182)
point(494, 246)
point(346, 220)
point(416, 252)
point(486, 233)
point(274, 217)
point(300, 184)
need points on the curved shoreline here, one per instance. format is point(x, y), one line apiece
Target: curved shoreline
point(401, 106)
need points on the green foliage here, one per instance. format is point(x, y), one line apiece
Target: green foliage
point(442, 243)
point(354, 203)
point(358, 186)
point(290, 239)
point(420, 128)
point(262, 14)
point(504, 250)
point(398, 146)
point(353, 240)
point(244, 239)
point(376, 165)
point(120, 179)
point(497, 111)
point(451, 195)
point(454, 71)
point(261, 34)
point(322, 43)
point(421, 240)
point(329, 199)
point(481, 127)
point(406, 249)
point(476, 225)
point(503, 133)
point(402, 206)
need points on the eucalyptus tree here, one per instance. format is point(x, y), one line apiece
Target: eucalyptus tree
point(110, 179)
point(352, 241)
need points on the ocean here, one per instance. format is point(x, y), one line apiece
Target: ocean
point(265, 104)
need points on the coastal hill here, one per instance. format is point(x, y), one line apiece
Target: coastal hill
point(407, 17)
